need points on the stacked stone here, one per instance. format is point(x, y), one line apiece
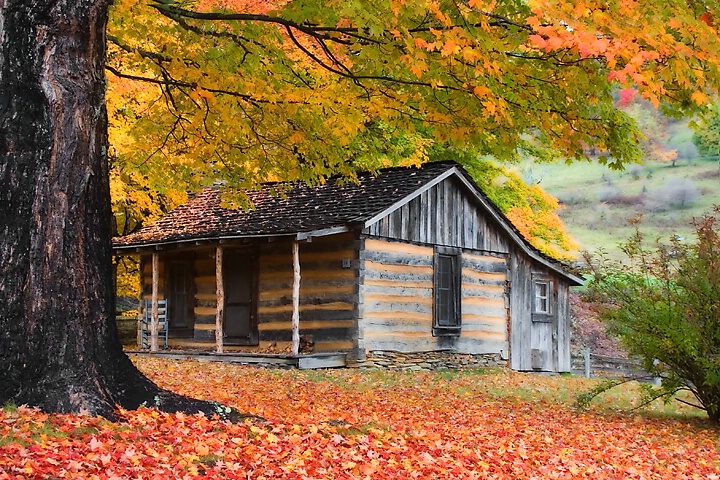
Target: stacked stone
point(428, 361)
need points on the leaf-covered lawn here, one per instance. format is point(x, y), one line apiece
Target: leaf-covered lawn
point(359, 424)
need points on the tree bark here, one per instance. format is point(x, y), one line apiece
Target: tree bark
point(59, 345)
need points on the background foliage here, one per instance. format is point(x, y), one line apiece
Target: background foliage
point(245, 91)
point(664, 305)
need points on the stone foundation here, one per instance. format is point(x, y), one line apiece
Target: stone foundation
point(437, 360)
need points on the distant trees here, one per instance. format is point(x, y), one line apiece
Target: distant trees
point(664, 305)
point(707, 133)
point(661, 142)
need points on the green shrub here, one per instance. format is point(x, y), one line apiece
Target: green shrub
point(664, 305)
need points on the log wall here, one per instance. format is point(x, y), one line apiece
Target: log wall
point(396, 298)
point(146, 277)
point(204, 303)
point(328, 294)
point(485, 314)
point(205, 297)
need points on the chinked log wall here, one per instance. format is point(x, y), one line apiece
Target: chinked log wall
point(204, 302)
point(205, 299)
point(396, 298)
point(328, 295)
point(146, 263)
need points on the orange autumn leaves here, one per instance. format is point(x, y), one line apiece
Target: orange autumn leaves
point(354, 424)
point(660, 47)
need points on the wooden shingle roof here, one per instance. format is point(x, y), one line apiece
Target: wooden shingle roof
point(301, 209)
point(305, 211)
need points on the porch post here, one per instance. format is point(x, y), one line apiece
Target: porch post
point(220, 296)
point(296, 299)
point(154, 320)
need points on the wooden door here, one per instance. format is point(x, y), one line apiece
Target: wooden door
point(180, 297)
point(240, 325)
point(544, 327)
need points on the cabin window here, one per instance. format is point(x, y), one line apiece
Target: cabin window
point(543, 300)
point(447, 284)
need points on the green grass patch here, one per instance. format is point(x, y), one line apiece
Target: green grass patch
point(364, 429)
point(504, 385)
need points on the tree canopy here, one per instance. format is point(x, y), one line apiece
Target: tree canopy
point(707, 132)
point(251, 91)
point(254, 91)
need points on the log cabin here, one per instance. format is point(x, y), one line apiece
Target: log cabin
point(412, 259)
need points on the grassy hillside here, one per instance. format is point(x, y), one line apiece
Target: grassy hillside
point(672, 186)
point(600, 203)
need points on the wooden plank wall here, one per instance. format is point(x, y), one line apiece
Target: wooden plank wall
point(328, 293)
point(552, 338)
point(397, 300)
point(521, 290)
point(443, 215)
point(564, 361)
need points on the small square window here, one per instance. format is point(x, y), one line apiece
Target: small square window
point(543, 298)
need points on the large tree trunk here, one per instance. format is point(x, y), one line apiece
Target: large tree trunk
point(59, 346)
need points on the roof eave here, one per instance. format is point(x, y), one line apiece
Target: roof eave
point(517, 238)
point(160, 244)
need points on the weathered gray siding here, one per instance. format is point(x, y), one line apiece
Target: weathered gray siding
point(564, 327)
point(396, 289)
point(443, 215)
point(549, 338)
point(520, 311)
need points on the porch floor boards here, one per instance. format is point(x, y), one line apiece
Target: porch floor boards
point(281, 360)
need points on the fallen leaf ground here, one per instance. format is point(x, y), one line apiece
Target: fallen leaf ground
point(358, 424)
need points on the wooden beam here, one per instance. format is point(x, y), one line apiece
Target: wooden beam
point(220, 295)
point(154, 320)
point(296, 299)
